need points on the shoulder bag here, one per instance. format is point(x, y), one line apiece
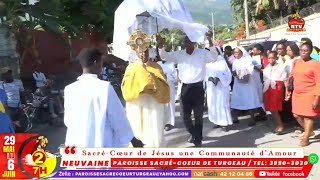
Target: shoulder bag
point(291, 79)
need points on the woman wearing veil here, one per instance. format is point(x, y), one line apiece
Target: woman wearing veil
point(245, 95)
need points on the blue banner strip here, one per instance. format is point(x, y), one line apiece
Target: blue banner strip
point(123, 174)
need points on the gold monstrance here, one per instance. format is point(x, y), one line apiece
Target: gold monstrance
point(139, 78)
point(139, 41)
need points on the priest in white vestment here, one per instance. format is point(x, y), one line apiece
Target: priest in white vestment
point(218, 79)
point(147, 93)
point(171, 75)
point(94, 115)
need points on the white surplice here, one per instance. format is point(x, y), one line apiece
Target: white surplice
point(272, 74)
point(147, 118)
point(218, 96)
point(94, 115)
point(171, 74)
point(245, 96)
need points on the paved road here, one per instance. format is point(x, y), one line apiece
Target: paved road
point(240, 135)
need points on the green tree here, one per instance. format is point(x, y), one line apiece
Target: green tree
point(91, 15)
point(22, 19)
point(223, 32)
point(268, 10)
point(283, 6)
point(274, 8)
point(173, 38)
point(238, 9)
point(60, 17)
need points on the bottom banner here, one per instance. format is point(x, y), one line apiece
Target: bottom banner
point(123, 174)
point(234, 174)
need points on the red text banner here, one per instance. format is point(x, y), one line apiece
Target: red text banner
point(210, 162)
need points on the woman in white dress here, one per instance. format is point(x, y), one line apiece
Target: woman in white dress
point(218, 79)
point(245, 96)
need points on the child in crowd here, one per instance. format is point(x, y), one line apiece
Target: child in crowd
point(274, 75)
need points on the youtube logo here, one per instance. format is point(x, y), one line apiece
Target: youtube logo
point(262, 173)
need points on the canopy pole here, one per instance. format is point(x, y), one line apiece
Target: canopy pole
point(157, 25)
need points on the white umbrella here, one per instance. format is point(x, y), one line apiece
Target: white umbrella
point(152, 16)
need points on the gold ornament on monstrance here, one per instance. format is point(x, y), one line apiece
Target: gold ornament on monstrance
point(139, 41)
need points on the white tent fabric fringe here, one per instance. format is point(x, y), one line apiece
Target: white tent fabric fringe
point(157, 15)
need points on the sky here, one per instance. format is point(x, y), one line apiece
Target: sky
point(32, 1)
point(201, 9)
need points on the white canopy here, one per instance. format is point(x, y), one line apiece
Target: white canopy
point(152, 16)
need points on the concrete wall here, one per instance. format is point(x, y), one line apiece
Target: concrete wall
point(8, 55)
point(7, 43)
point(312, 31)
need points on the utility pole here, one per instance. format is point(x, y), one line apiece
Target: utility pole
point(246, 17)
point(172, 39)
point(212, 22)
point(212, 19)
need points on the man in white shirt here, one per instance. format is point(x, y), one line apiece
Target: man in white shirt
point(192, 71)
point(94, 115)
point(39, 77)
point(44, 85)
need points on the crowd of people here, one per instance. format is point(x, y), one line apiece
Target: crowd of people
point(284, 83)
point(238, 81)
point(14, 99)
point(231, 80)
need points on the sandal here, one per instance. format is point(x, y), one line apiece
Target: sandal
point(312, 135)
point(304, 143)
point(298, 132)
point(216, 126)
point(279, 132)
point(225, 128)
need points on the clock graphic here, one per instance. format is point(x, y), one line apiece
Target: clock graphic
point(34, 160)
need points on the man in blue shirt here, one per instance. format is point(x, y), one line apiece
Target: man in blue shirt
point(15, 92)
